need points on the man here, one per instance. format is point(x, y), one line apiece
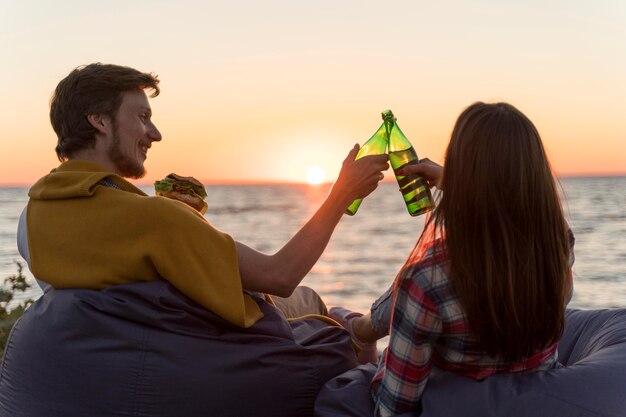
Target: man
point(161, 271)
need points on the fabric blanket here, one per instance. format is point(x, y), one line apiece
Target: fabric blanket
point(147, 350)
point(592, 383)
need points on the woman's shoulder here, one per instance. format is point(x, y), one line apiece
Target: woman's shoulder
point(428, 266)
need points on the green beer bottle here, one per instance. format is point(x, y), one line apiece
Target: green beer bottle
point(376, 145)
point(416, 193)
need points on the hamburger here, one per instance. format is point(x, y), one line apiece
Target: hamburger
point(186, 189)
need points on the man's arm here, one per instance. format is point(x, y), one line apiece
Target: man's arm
point(281, 273)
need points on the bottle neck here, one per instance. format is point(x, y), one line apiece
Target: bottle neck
point(390, 123)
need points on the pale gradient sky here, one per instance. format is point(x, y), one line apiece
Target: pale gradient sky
point(261, 91)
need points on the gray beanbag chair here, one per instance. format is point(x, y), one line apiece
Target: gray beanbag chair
point(592, 383)
point(146, 350)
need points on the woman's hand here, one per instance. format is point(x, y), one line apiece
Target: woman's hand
point(359, 178)
point(431, 171)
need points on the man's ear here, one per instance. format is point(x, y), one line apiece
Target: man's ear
point(99, 121)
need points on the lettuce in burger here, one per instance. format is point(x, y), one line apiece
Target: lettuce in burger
point(186, 189)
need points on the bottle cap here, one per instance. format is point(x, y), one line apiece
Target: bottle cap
point(388, 115)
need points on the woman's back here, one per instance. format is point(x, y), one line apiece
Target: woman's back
point(485, 288)
point(505, 232)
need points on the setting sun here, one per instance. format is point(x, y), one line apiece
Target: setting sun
point(315, 175)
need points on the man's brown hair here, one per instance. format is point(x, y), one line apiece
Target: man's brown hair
point(91, 89)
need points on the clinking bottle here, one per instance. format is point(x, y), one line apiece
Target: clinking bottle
point(376, 145)
point(415, 192)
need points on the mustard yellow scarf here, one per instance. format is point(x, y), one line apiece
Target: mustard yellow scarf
point(82, 234)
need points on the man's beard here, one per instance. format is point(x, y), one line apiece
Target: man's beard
point(126, 166)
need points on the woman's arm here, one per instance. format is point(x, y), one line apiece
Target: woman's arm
point(415, 327)
point(570, 281)
point(281, 273)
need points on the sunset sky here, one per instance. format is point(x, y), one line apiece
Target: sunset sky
point(265, 90)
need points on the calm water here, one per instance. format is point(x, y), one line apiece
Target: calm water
point(368, 249)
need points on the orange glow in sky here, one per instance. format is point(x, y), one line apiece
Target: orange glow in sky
point(263, 91)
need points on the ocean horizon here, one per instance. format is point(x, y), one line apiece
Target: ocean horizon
point(368, 249)
point(327, 183)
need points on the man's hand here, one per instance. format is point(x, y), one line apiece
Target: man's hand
point(280, 274)
point(430, 171)
point(359, 178)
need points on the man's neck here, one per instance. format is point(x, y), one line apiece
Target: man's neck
point(97, 157)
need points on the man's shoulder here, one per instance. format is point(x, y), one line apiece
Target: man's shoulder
point(167, 207)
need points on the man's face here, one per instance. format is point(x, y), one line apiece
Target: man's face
point(133, 134)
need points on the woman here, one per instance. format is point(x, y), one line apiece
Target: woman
point(485, 288)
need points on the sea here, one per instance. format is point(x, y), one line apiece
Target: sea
point(367, 250)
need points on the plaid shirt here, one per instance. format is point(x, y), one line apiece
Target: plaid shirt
point(430, 327)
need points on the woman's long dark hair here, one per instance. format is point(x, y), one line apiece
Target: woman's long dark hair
point(505, 234)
